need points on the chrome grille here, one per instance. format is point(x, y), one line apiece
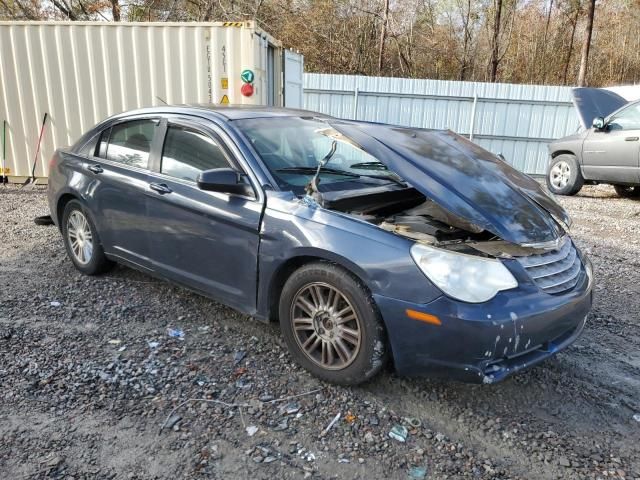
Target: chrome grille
point(556, 271)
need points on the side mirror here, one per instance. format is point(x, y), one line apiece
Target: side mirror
point(598, 123)
point(224, 180)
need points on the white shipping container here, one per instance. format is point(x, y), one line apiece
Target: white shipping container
point(79, 73)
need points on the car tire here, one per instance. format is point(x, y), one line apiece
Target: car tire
point(564, 176)
point(627, 191)
point(81, 240)
point(322, 302)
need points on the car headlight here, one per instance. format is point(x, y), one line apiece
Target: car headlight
point(464, 277)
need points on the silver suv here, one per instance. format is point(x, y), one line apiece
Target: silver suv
point(605, 150)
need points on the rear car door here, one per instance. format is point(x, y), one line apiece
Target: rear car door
point(613, 154)
point(119, 168)
point(205, 240)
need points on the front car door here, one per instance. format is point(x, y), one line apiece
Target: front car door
point(205, 240)
point(118, 165)
point(612, 154)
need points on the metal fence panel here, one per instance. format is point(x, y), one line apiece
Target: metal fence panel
point(515, 120)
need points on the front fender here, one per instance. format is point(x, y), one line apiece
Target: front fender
point(381, 260)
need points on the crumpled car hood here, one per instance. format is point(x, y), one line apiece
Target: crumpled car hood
point(595, 102)
point(464, 179)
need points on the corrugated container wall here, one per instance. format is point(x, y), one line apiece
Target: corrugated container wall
point(515, 120)
point(82, 72)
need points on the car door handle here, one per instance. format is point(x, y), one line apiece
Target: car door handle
point(95, 168)
point(631, 139)
point(161, 188)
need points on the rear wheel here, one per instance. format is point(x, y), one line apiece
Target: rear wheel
point(82, 241)
point(564, 176)
point(627, 191)
point(331, 325)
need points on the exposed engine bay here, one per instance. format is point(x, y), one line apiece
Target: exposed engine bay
point(409, 213)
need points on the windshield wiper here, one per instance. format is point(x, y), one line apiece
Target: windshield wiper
point(391, 178)
point(315, 169)
point(370, 165)
point(335, 171)
point(382, 167)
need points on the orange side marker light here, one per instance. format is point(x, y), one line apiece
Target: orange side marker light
point(423, 317)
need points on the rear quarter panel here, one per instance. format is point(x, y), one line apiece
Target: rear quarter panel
point(65, 177)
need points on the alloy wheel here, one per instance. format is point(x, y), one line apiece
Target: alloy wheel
point(560, 174)
point(326, 326)
point(80, 237)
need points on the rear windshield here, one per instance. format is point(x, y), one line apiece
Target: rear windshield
point(292, 147)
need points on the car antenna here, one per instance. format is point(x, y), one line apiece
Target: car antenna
point(312, 186)
point(162, 100)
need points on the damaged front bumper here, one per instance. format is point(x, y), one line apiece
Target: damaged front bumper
point(486, 342)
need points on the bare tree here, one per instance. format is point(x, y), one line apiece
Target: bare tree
point(584, 59)
point(495, 43)
point(383, 35)
point(115, 10)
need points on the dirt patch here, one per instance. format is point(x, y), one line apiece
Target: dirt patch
point(88, 376)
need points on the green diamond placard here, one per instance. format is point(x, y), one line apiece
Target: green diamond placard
point(247, 76)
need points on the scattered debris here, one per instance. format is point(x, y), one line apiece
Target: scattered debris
point(243, 383)
point(564, 462)
point(290, 408)
point(175, 333)
point(153, 345)
point(172, 421)
point(115, 341)
point(417, 473)
point(55, 303)
point(239, 356)
point(331, 424)
point(251, 430)
point(55, 461)
point(350, 418)
point(282, 426)
point(636, 417)
point(240, 371)
point(122, 348)
point(413, 422)
point(232, 405)
point(399, 433)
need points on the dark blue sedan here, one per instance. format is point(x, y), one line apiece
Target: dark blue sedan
point(367, 242)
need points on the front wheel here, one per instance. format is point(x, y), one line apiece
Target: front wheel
point(626, 191)
point(331, 325)
point(564, 176)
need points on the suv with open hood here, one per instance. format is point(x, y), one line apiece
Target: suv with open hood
point(605, 150)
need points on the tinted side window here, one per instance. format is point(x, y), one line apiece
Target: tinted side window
point(130, 142)
point(102, 144)
point(89, 148)
point(627, 119)
point(187, 152)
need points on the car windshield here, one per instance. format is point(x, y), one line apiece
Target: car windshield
point(292, 147)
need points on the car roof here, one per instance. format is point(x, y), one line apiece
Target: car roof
point(224, 112)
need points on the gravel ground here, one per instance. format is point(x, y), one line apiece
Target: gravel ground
point(89, 377)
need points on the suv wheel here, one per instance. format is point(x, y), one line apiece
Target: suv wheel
point(627, 191)
point(82, 241)
point(331, 325)
point(564, 176)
